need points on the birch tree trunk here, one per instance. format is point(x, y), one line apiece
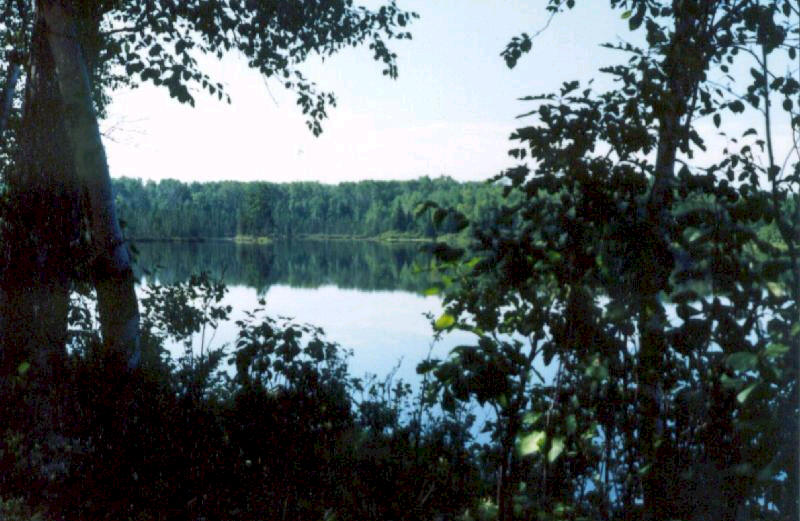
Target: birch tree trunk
point(39, 227)
point(111, 265)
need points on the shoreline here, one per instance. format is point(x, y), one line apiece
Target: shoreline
point(264, 240)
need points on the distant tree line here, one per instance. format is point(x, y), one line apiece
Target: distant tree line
point(170, 208)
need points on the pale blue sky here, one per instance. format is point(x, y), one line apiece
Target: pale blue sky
point(450, 111)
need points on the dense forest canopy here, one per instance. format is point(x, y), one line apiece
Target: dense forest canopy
point(171, 209)
point(364, 209)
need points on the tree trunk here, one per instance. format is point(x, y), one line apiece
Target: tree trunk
point(38, 230)
point(7, 99)
point(111, 266)
point(686, 60)
point(682, 79)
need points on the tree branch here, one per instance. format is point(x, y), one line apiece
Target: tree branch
point(135, 28)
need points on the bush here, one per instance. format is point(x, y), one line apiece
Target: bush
point(284, 433)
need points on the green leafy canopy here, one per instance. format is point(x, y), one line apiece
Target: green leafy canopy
point(158, 41)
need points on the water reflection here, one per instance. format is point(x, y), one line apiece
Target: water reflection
point(363, 265)
point(366, 296)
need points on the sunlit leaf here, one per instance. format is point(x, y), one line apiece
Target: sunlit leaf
point(530, 418)
point(742, 396)
point(445, 321)
point(775, 288)
point(23, 368)
point(553, 256)
point(472, 262)
point(556, 448)
point(531, 443)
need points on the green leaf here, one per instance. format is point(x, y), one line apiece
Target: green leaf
point(431, 291)
point(627, 14)
point(636, 20)
point(426, 366)
point(730, 383)
point(742, 361)
point(445, 321)
point(572, 424)
point(775, 350)
point(717, 120)
point(768, 472)
point(742, 396)
point(553, 256)
point(23, 368)
point(775, 288)
point(531, 443)
point(736, 106)
point(616, 311)
point(502, 400)
point(597, 370)
point(530, 418)
point(556, 448)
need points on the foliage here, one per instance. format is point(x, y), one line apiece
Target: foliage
point(129, 43)
point(17, 510)
point(634, 302)
point(632, 264)
point(170, 209)
point(282, 431)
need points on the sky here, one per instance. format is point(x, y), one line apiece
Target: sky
point(450, 112)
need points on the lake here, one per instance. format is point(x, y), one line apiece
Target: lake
point(367, 296)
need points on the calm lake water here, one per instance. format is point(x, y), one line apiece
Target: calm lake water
point(367, 296)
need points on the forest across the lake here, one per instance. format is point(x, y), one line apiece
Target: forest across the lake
point(387, 209)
